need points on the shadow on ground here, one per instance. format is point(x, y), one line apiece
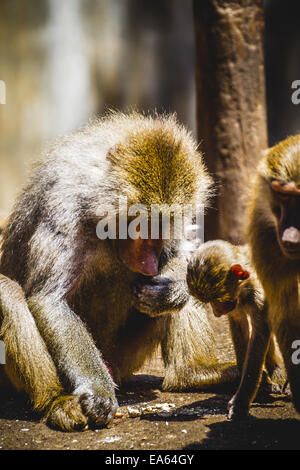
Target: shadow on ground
point(257, 433)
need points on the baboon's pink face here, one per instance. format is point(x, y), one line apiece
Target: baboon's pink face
point(141, 255)
point(287, 202)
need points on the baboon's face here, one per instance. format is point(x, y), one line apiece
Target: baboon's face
point(141, 255)
point(222, 308)
point(286, 204)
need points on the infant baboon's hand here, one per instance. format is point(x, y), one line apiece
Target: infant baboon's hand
point(152, 295)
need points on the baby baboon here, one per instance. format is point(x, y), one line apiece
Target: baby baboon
point(73, 301)
point(221, 274)
point(274, 236)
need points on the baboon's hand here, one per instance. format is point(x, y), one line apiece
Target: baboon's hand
point(157, 295)
point(98, 408)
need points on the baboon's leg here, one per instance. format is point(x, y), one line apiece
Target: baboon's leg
point(252, 370)
point(273, 379)
point(239, 328)
point(271, 357)
point(28, 363)
point(275, 368)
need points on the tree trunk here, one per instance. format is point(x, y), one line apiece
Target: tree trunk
point(231, 112)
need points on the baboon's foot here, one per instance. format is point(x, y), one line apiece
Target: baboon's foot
point(66, 414)
point(77, 412)
point(237, 411)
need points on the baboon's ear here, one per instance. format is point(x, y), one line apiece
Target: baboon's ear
point(239, 272)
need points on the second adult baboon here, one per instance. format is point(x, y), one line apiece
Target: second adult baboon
point(274, 236)
point(71, 303)
point(221, 274)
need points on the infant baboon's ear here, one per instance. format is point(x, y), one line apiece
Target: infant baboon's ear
point(239, 272)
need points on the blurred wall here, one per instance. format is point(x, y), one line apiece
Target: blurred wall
point(65, 61)
point(282, 64)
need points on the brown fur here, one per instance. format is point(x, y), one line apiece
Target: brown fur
point(278, 273)
point(68, 302)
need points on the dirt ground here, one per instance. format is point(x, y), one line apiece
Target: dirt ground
point(187, 421)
